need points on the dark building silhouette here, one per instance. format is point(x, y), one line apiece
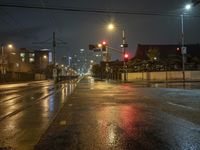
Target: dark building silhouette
point(193, 50)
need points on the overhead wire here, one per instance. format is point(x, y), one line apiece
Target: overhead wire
point(51, 17)
point(143, 13)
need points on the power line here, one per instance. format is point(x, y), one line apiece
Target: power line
point(95, 11)
point(51, 17)
point(54, 44)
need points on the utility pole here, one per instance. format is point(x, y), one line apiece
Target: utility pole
point(54, 42)
point(183, 48)
point(124, 52)
point(2, 62)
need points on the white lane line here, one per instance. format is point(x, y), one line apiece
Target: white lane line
point(183, 106)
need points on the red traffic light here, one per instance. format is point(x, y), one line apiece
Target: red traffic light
point(104, 42)
point(125, 55)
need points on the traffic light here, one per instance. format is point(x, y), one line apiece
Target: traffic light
point(126, 57)
point(178, 50)
point(104, 44)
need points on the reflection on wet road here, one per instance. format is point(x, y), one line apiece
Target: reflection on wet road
point(122, 116)
point(178, 85)
point(133, 127)
point(26, 111)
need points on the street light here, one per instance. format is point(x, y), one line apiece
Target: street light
point(99, 45)
point(3, 69)
point(183, 48)
point(45, 56)
point(188, 6)
point(91, 61)
point(111, 26)
point(10, 46)
point(69, 61)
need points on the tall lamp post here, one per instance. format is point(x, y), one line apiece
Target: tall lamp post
point(123, 46)
point(3, 62)
point(124, 52)
point(183, 48)
point(69, 61)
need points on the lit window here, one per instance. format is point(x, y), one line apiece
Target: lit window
point(23, 59)
point(31, 55)
point(31, 60)
point(22, 54)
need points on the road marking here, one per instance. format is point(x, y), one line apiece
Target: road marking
point(183, 106)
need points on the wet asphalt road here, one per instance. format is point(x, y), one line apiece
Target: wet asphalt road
point(27, 109)
point(125, 116)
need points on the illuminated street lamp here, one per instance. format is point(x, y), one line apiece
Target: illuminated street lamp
point(45, 56)
point(111, 26)
point(183, 48)
point(42, 65)
point(69, 61)
point(3, 69)
point(99, 45)
point(188, 6)
point(10, 46)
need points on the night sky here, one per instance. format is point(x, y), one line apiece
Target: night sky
point(24, 27)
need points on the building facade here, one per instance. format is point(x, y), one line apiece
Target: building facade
point(23, 64)
point(166, 57)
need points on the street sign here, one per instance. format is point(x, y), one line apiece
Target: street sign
point(54, 72)
point(184, 50)
point(123, 45)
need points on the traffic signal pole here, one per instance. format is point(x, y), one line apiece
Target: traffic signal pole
point(124, 52)
point(182, 47)
point(2, 63)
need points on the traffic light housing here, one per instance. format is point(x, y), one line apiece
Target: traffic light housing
point(104, 44)
point(178, 50)
point(126, 57)
point(98, 47)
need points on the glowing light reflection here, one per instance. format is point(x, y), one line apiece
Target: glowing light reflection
point(51, 103)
